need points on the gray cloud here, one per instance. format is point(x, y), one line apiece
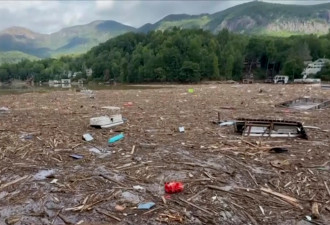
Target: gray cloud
point(50, 16)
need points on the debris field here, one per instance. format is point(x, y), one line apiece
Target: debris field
point(51, 175)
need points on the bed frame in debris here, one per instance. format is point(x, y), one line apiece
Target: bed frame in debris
point(305, 103)
point(269, 128)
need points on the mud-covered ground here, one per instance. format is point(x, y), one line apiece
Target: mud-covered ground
point(223, 173)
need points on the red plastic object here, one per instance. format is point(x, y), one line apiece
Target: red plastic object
point(173, 187)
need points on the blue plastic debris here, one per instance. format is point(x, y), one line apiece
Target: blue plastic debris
point(116, 138)
point(76, 156)
point(147, 205)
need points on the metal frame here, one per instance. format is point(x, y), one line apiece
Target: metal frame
point(323, 103)
point(244, 126)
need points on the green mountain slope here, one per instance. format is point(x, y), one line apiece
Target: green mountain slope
point(273, 19)
point(249, 18)
point(179, 20)
point(71, 40)
point(15, 57)
point(23, 40)
point(255, 18)
point(79, 39)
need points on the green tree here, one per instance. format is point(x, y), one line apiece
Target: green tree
point(4, 74)
point(271, 54)
point(293, 67)
point(215, 68)
point(325, 73)
point(189, 72)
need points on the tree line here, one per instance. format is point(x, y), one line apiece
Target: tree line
point(181, 55)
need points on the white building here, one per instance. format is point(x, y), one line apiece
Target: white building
point(315, 67)
point(65, 81)
point(89, 72)
point(70, 74)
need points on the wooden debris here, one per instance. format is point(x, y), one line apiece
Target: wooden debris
point(168, 218)
point(152, 210)
point(286, 198)
point(84, 206)
point(113, 180)
point(212, 162)
point(326, 187)
point(251, 218)
point(133, 148)
point(65, 220)
point(108, 214)
point(164, 200)
point(14, 182)
point(197, 194)
point(196, 206)
point(253, 178)
point(315, 210)
point(12, 220)
point(249, 143)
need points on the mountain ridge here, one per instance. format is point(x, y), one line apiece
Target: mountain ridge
point(258, 18)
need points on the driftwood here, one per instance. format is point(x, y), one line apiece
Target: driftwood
point(198, 193)
point(204, 157)
point(249, 143)
point(224, 190)
point(315, 210)
point(196, 206)
point(133, 148)
point(14, 182)
point(326, 187)
point(113, 180)
point(84, 206)
point(108, 214)
point(291, 200)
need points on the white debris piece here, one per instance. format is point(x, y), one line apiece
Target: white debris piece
point(227, 123)
point(88, 137)
point(4, 110)
point(43, 174)
point(88, 92)
point(106, 121)
point(54, 181)
point(138, 187)
point(95, 150)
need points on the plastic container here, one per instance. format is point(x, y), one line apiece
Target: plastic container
point(116, 138)
point(173, 187)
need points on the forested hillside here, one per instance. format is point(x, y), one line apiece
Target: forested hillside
point(180, 56)
point(251, 18)
point(71, 40)
point(15, 57)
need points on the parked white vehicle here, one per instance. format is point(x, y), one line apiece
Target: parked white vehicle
point(281, 79)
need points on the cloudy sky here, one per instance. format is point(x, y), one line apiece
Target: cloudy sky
point(49, 16)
